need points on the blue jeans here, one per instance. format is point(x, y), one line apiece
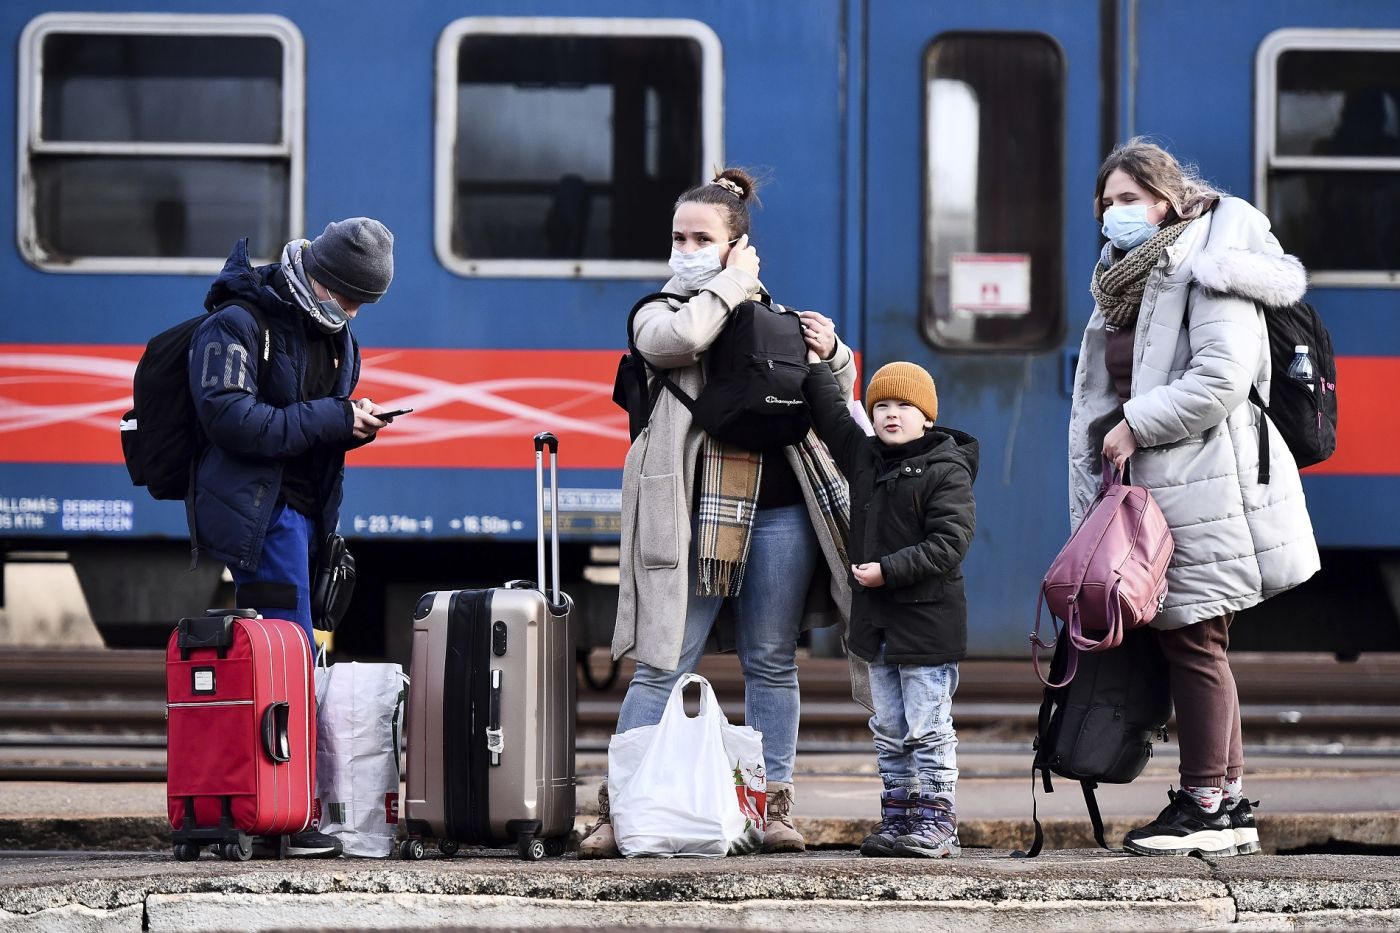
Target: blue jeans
point(285, 563)
point(783, 553)
point(913, 725)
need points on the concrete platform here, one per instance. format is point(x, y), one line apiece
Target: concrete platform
point(984, 890)
point(1312, 799)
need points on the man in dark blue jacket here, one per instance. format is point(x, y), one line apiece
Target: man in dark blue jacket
point(279, 418)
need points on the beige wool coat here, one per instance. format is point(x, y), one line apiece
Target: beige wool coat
point(1200, 343)
point(658, 483)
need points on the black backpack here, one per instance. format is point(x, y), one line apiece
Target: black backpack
point(753, 379)
point(1098, 728)
point(1305, 415)
point(161, 433)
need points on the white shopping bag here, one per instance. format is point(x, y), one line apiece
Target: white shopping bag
point(675, 788)
point(359, 715)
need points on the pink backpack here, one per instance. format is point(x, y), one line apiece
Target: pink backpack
point(1111, 574)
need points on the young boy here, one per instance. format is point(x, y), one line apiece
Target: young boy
point(912, 517)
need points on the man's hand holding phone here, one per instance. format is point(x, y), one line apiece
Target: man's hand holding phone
point(369, 417)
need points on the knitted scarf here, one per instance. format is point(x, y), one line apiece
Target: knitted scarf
point(729, 479)
point(1117, 289)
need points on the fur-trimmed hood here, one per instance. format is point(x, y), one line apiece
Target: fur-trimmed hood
point(1238, 256)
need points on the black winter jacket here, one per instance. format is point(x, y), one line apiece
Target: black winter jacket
point(256, 417)
point(915, 515)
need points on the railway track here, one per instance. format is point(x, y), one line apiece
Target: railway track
point(95, 714)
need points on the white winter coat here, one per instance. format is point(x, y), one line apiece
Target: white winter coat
point(1200, 344)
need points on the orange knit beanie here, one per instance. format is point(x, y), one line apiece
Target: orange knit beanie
point(908, 382)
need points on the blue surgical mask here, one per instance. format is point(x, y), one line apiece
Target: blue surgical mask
point(1126, 226)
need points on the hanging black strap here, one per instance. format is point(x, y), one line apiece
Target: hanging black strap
point(1263, 435)
point(1092, 803)
point(1039, 841)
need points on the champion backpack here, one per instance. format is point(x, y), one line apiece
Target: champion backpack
point(1305, 415)
point(1099, 727)
point(161, 433)
point(753, 379)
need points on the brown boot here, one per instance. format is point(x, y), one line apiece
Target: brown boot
point(600, 842)
point(780, 836)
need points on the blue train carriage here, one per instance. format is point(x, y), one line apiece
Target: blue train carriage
point(986, 126)
point(527, 157)
point(931, 166)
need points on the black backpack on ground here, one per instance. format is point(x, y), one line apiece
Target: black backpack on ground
point(1305, 415)
point(161, 433)
point(753, 379)
point(1098, 728)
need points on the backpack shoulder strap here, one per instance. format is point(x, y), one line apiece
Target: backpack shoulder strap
point(660, 374)
point(1091, 802)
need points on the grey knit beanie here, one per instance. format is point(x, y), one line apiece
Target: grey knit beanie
point(353, 257)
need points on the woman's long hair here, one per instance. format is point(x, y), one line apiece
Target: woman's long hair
point(1158, 171)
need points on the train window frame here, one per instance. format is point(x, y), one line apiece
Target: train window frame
point(927, 309)
point(446, 127)
point(29, 114)
point(1267, 159)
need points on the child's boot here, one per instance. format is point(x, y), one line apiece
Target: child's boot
point(933, 830)
point(896, 805)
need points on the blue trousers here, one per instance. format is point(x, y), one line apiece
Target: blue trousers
point(281, 586)
point(913, 725)
point(783, 554)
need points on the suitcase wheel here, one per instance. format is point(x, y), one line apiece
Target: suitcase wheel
point(236, 851)
point(186, 852)
point(448, 847)
point(412, 849)
point(531, 849)
point(554, 847)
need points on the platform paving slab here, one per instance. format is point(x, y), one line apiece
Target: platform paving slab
point(984, 890)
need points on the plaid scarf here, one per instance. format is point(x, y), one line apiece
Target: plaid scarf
point(729, 479)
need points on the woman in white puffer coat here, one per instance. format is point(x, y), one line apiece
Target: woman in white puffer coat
point(1176, 340)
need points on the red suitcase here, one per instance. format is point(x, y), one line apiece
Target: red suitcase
point(241, 721)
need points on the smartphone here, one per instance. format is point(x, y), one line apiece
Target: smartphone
point(388, 415)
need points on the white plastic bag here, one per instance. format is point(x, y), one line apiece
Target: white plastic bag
point(359, 714)
point(675, 788)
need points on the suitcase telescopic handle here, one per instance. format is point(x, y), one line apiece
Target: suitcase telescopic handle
point(542, 440)
point(274, 731)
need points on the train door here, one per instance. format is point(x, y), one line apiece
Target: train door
point(981, 140)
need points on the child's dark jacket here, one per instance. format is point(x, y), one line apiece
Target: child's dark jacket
point(912, 510)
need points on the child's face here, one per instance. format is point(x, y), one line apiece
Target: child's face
point(899, 422)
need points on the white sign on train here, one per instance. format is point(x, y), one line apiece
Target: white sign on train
point(990, 283)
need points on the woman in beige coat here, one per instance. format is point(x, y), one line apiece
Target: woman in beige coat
point(1177, 338)
point(773, 564)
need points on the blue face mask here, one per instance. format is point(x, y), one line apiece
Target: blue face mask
point(1126, 226)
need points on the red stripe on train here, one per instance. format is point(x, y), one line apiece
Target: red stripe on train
point(61, 403)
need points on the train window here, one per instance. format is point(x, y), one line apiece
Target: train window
point(154, 142)
point(993, 191)
point(562, 143)
point(1328, 150)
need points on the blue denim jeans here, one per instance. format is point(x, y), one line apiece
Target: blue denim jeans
point(913, 725)
point(767, 618)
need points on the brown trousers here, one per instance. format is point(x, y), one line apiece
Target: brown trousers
point(1207, 701)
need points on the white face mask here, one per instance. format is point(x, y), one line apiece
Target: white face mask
point(695, 268)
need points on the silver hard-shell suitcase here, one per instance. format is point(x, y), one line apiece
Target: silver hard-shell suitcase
point(491, 709)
